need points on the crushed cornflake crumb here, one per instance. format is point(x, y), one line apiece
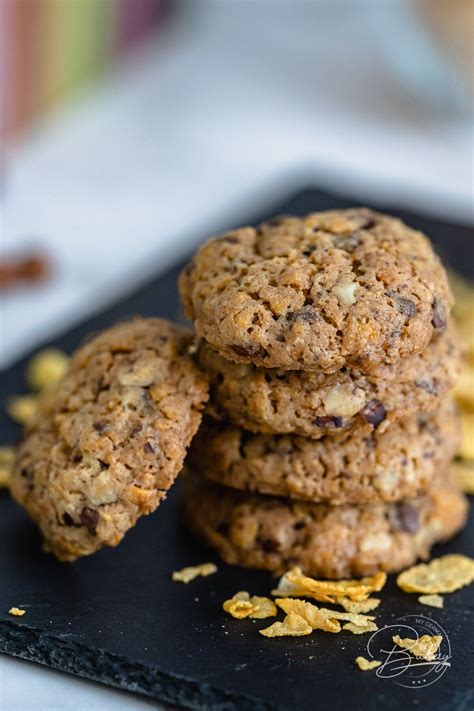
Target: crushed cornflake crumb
point(292, 626)
point(22, 408)
point(295, 584)
point(441, 575)
point(433, 600)
point(16, 611)
point(425, 647)
point(46, 368)
point(365, 665)
point(362, 606)
point(7, 457)
point(360, 629)
point(185, 575)
point(241, 605)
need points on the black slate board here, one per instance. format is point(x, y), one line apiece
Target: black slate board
point(117, 617)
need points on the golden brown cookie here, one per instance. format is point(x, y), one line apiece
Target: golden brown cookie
point(275, 534)
point(315, 404)
point(354, 468)
point(343, 288)
point(107, 444)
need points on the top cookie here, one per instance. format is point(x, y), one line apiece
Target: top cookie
point(333, 289)
point(109, 441)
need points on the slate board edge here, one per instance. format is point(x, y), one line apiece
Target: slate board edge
point(92, 663)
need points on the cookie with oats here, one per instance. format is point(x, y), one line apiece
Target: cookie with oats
point(341, 288)
point(275, 534)
point(315, 404)
point(108, 442)
point(353, 468)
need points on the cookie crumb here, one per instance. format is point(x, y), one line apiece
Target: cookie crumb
point(16, 612)
point(186, 575)
point(364, 664)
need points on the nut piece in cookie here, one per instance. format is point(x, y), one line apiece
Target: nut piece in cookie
point(107, 444)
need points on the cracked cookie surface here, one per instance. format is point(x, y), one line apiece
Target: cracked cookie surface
point(340, 288)
point(108, 442)
point(275, 534)
point(354, 468)
point(315, 404)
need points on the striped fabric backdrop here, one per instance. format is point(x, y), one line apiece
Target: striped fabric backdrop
point(48, 47)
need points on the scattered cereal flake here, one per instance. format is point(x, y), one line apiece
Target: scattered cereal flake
point(362, 606)
point(464, 473)
point(463, 391)
point(185, 575)
point(441, 575)
point(22, 408)
point(241, 605)
point(357, 629)
point(263, 607)
point(7, 457)
point(425, 647)
point(311, 613)
point(433, 600)
point(365, 665)
point(353, 617)
point(46, 368)
point(295, 584)
point(16, 611)
point(467, 427)
point(292, 626)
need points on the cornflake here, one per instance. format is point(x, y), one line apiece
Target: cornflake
point(16, 612)
point(295, 584)
point(316, 618)
point(464, 473)
point(365, 665)
point(46, 368)
point(292, 626)
point(357, 629)
point(362, 606)
point(22, 408)
point(425, 647)
point(241, 605)
point(434, 600)
point(441, 575)
point(7, 457)
point(185, 575)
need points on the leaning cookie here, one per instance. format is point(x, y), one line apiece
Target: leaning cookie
point(275, 534)
point(353, 468)
point(314, 404)
point(107, 444)
point(344, 288)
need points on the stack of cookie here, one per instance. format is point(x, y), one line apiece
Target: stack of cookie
point(329, 435)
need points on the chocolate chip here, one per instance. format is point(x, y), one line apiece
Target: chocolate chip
point(428, 386)
point(67, 519)
point(249, 351)
point(308, 250)
point(148, 448)
point(408, 517)
point(407, 307)
point(305, 314)
point(25, 473)
point(90, 519)
point(299, 525)
point(330, 422)
point(223, 528)
point(374, 412)
point(438, 319)
point(365, 223)
point(269, 545)
point(99, 426)
point(76, 457)
point(135, 430)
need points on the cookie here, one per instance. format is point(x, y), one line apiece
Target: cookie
point(353, 468)
point(275, 534)
point(346, 288)
point(315, 404)
point(107, 444)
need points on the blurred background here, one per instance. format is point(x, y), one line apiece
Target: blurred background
point(132, 128)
